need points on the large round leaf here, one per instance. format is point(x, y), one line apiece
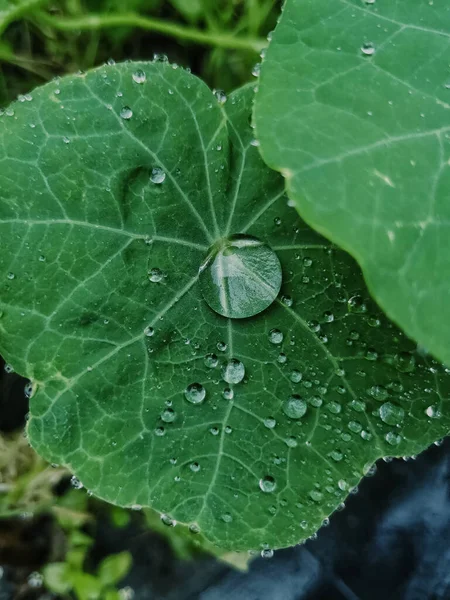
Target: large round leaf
point(354, 109)
point(117, 190)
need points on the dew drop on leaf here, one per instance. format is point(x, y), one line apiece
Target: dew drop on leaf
point(295, 407)
point(275, 336)
point(267, 484)
point(391, 414)
point(296, 376)
point(195, 393)
point(211, 361)
point(240, 277)
point(139, 76)
point(126, 113)
point(228, 394)
point(168, 415)
point(405, 362)
point(233, 371)
point(157, 176)
point(155, 275)
point(368, 49)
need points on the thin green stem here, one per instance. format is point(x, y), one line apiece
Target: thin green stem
point(181, 32)
point(16, 11)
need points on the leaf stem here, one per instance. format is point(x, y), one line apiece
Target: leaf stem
point(99, 21)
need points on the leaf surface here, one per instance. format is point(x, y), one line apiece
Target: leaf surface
point(114, 186)
point(354, 109)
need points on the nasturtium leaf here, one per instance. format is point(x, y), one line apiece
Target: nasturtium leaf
point(114, 187)
point(354, 109)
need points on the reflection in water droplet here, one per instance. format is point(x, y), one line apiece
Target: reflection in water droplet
point(295, 407)
point(240, 277)
point(195, 393)
point(233, 371)
point(267, 484)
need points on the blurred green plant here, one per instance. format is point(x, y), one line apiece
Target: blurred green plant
point(219, 39)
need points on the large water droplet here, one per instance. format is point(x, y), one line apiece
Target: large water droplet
point(195, 393)
point(233, 371)
point(240, 277)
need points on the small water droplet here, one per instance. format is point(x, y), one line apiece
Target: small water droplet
point(226, 518)
point(139, 76)
point(393, 438)
point(126, 113)
point(296, 376)
point(267, 484)
point(194, 467)
point(433, 412)
point(270, 423)
point(220, 96)
point(155, 275)
point(233, 371)
point(168, 415)
point(368, 49)
point(267, 553)
point(228, 394)
point(391, 414)
point(149, 331)
point(76, 483)
point(157, 175)
point(211, 361)
point(405, 362)
point(295, 407)
point(275, 336)
point(11, 276)
point(282, 358)
point(168, 520)
point(195, 393)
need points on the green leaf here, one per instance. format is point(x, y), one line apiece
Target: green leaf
point(354, 109)
point(114, 568)
point(114, 186)
point(86, 586)
point(55, 577)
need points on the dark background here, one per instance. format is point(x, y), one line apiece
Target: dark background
point(391, 542)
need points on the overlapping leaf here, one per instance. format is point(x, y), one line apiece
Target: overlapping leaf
point(354, 109)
